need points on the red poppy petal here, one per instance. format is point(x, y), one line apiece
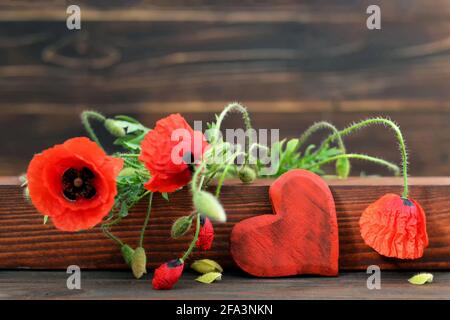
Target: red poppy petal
point(168, 183)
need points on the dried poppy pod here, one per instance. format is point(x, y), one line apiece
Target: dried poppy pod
point(395, 227)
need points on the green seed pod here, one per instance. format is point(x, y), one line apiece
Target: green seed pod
point(208, 205)
point(206, 266)
point(247, 174)
point(115, 129)
point(127, 172)
point(139, 262)
point(181, 226)
point(343, 168)
point(127, 254)
point(26, 194)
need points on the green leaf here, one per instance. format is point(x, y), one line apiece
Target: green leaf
point(123, 210)
point(130, 127)
point(206, 266)
point(209, 277)
point(45, 219)
point(165, 195)
point(421, 278)
point(127, 118)
point(132, 142)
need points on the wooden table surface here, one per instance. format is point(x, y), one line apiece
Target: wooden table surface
point(121, 285)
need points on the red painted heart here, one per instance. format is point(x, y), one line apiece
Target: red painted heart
point(300, 238)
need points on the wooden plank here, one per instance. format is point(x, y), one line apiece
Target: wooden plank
point(26, 243)
point(230, 11)
point(122, 286)
point(150, 62)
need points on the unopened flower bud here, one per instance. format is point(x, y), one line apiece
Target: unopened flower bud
point(139, 262)
point(26, 194)
point(343, 168)
point(181, 226)
point(208, 205)
point(127, 254)
point(115, 129)
point(127, 172)
point(247, 174)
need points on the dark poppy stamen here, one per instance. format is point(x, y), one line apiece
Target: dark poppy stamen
point(78, 184)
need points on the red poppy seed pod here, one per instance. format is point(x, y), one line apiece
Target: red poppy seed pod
point(114, 128)
point(127, 254)
point(343, 168)
point(139, 262)
point(181, 226)
point(247, 174)
point(208, 205)
point(167, 274)
point(395, 227)
point(206, 234)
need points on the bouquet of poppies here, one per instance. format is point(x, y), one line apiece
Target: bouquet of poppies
point(78, 186)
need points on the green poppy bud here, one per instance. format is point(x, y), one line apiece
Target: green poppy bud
point(343, 168)
point(181, 226)
point(127, 172)
point(26, 194)
point(115, 129)
point(127, 254)
point(139, 262)
point(247, 174)
point(208, 205)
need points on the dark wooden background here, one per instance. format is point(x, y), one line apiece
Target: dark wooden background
point(291, 62)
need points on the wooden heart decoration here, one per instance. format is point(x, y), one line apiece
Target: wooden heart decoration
point(300, 238)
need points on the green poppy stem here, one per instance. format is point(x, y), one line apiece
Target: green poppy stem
point(111, 236)
point(86, 116)
point(319, 126)
point(358, 156)
point(398, 134)
point(193, 242)
point(235, 106)
point(147, 219)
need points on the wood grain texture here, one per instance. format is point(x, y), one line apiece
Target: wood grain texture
point(234, 286)
point(314, 59)
point(300, 237)
point(427, 135)
point(26, 243)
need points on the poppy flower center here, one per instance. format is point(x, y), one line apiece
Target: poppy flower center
point(78, 184)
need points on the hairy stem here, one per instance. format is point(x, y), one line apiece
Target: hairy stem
point(235, 106)
point(111, 236)
point(147, 218)
point(319, 126)
point(192, 245)
point(86, 116)
point(358, 156)
point(398, 134)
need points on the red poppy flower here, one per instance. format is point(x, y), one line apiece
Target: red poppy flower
point(206, 234)
point(167, 151)
point(395, 227)
point(167, 275)
point(73, 183)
